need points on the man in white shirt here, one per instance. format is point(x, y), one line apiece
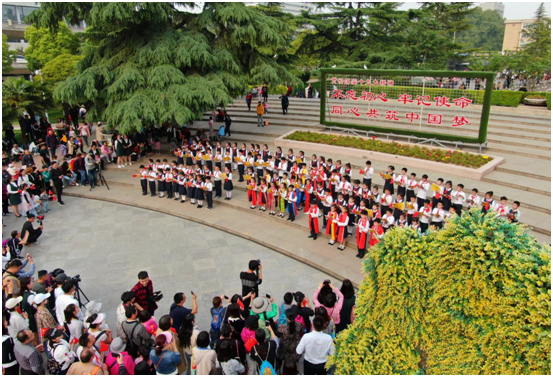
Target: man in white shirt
point(316, 347)
point(64, 300)
point(368, 172)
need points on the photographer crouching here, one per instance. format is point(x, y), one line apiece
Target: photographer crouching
point(91, 169)
point(144, 293)
point(29, 233)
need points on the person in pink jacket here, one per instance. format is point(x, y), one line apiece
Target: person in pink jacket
point(332, 300)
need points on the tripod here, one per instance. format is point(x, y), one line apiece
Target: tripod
point(78, 292)
point(102, 179)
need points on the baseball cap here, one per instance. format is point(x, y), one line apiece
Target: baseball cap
point(61, 278)
point(55, 333)
point(40, 297)
point(168, 336)
point(12, 302)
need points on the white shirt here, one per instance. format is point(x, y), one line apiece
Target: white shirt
point(425, 214)
point(423, 188)
point(388, 221)
point(475, 201)
point(17, 323)
point(58, 292)
point(411, 211)
point(62, 302)
point(368, 172)
point(458, 197)
point(316, 346)
point(437, 215)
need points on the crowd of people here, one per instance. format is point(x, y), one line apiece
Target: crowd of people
point(46, 328)
point(284, 185)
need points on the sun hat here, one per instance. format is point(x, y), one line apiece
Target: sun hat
point(40, 297)
point(12, 302)
point(92, 307)
point(168, 336)
point(99, 319)
point(260, 305)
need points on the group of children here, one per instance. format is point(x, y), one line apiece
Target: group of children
point(285, 184)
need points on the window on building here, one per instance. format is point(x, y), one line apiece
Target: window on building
point(24, 12)
point(8, 13)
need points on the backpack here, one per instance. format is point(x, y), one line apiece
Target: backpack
point(300, 319)
point(266, 368)
point(217, 317)
point(131, 347)
point(282, 317)
point(52, 366)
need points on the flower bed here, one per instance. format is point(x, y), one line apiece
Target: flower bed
point(458, 158)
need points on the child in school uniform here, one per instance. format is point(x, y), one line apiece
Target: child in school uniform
point(424, 186)
point(217, 181)
point(437, 194)
point(313, 219)
point(412, 208)
point(376, 212)
point(308, 193)
point(169, 183)
point(152, 177)
point(385, 201)
point(327, 201)
point(388, 220)
point(340, 201)
point(401, 221)
point(410, 187)
point(200, 185)
point(438, 216)
point(367, 173)
point(331, 229)
point(446, 195)
point(161, 182)
point(374, 196)
point(192, 188)
point(227, 185)
point(352, 209)
point(401, 181)
point(458, 198)
point(342, 223)
point(514, 212)
point(425, 215)
point(488, 204)
point(252, 193)
point(389, 183)
point(181, 181)
point(502, 208)
point(474, 199)
point(209, 193)
point(144, 179)
point(363, 227)
point(415, 225)
point(376, 232)
point(397, 203)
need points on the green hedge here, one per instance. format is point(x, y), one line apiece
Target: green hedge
point(548, 97)
point(506, 98)
point(272, 89)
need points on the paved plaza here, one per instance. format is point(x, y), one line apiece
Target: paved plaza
point(108, 244)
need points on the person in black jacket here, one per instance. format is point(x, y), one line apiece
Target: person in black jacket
point(56, 176)
point(52, 143)
point(27, 159)
point(285, 102)
point(228, 122)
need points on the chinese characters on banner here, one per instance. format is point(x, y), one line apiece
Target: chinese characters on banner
point(433, 105)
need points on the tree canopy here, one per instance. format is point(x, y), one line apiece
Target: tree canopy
point(8, 55)
point(147, 63)
point(486, 30)
point(473, 298)
point(45, 44)
point(19, 94)
point(60, 68)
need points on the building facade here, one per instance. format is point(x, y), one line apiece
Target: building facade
point(514, 36)
point(293, 8)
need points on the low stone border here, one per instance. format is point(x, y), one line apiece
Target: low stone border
point(460, 171)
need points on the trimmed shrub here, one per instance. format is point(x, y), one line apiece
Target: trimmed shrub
point(548, 98)
point(507, 98)
point(472, 298)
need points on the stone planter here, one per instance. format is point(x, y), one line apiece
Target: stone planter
point(535, 101)
point(418, 163)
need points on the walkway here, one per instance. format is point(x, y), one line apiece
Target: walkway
point(109, 243)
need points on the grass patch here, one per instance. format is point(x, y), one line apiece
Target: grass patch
point(437, 155)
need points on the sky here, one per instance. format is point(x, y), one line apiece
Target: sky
point(513, 10)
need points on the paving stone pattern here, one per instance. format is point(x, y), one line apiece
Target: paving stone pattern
point(108, 244)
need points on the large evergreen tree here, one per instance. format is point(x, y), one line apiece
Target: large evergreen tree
point(8, 55)
point(486, 31)
point(147, 63)
point(473, 298)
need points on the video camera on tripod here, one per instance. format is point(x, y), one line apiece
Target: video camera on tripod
point(75, 279)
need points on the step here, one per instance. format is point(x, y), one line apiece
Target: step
point(514, 141)
point(525, 164)
point(519, 152)
point(521, 173)
point(538, 186)
point(527, 136)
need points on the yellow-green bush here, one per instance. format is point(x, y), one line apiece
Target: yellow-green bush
point(474, 298)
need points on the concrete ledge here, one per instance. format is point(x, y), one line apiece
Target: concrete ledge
point(459, 171)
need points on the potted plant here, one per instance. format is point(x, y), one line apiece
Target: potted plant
point(535, 100)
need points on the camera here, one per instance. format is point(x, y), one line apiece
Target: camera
point(327, 281)
point(40, 218)
point(76, 279)
point(157, 296)
point(268, 295)
point(259, 261)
